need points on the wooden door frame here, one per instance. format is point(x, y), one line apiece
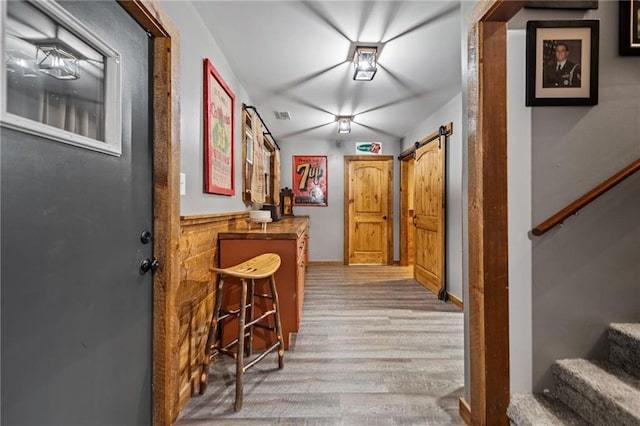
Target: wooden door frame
point(347, 160)
point(404, 208)
point(487, 213)
point(166, 202)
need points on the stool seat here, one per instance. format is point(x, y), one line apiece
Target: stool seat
point(260, 267)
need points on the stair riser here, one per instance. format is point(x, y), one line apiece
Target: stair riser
point(626, 357)
point(595, 409)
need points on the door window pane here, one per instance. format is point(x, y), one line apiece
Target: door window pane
point(54, 75)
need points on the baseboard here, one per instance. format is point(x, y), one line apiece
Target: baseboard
point(465, 411)
point(325, 263)
point(455, 301)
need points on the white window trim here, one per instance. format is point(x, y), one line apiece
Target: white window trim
point(113, 87)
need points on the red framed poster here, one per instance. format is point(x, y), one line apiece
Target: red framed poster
point(219, 107)
point(310, 180)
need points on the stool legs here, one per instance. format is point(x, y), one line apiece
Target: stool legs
point(211, 338)
point(241, 340)
point(276, 306)
point(252, 289)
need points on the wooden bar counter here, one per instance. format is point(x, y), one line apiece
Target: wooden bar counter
point(288, 238)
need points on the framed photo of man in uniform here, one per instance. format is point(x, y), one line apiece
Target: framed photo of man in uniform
point(562, 63)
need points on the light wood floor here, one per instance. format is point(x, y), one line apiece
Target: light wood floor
point(374, 348)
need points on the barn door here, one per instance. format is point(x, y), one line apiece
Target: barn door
point(429, 215)
point(369, 210)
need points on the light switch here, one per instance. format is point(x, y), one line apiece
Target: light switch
point(183, 184)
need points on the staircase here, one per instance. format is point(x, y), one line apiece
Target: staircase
point(589, 392)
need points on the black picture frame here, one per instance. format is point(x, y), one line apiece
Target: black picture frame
point(575, 83)
point(561, 4)
point(629, 28)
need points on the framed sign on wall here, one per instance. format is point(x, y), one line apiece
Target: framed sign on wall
point(310, 180)
point(219, 106)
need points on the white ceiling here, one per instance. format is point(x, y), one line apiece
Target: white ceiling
point(292, 56)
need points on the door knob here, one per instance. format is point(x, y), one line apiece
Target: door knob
point(147, 265)
point(415, 219)
point(384, 217)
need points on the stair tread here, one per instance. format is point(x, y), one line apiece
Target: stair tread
point(541, 409)
point(602, 378)
point(625, 333)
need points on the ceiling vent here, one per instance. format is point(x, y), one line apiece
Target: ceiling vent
point(282, 115)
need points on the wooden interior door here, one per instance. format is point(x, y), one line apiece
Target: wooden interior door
point(429, 214)
point(368, 183)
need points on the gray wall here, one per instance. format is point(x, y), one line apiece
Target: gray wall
point(326, 224)
point(450, 112)
point(586, 274)
point(466, 12)
point(519, 207)
point(196, 44)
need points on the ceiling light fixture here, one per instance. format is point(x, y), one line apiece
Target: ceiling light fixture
point(57, 59)
point(344, 124)
point(364, 61)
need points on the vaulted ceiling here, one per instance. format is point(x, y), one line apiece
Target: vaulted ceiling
point(295, 56)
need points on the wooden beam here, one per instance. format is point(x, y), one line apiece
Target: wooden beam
point(488, 242)
point(503, 10)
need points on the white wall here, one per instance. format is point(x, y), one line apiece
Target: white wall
point(326, 224)
point(449, 112)
point(196, 44)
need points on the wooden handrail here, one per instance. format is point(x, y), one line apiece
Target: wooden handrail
point(572, 208)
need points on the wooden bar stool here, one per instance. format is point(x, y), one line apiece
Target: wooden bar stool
point(259, 267)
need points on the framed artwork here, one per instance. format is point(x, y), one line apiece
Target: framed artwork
point(629, 36)
point(561, 4)
point(219, 107)
point(562, 63)
point(310, 180)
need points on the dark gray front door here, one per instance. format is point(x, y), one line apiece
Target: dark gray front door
point(76, 314)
